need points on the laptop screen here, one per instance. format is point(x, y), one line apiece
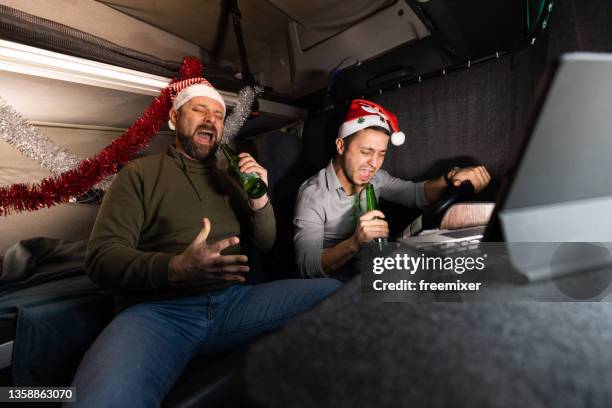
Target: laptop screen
point(564, 161)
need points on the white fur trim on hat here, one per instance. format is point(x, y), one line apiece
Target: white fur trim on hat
point(355, 125)
point(197, 90)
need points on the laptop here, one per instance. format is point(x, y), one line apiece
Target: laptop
point(559, 191)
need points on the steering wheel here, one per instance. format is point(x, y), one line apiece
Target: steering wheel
point(432, 216)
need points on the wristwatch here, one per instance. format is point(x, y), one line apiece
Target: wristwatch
point(448, 180)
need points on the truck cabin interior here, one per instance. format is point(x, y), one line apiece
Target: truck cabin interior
point(462, 77)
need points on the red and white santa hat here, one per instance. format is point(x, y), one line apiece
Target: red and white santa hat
point(183, 91)
point(363, 114)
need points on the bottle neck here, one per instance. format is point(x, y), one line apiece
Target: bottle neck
point(231, 156)
point(371, 198)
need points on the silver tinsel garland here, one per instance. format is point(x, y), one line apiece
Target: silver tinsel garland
point(241, 112)
point(30, 142)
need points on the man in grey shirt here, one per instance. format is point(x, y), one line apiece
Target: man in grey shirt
point(330, 223)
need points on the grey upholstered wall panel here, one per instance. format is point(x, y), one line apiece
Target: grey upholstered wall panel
point(466, 117)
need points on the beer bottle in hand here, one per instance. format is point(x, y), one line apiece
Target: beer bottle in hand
point(251, 183)
point(372, 204)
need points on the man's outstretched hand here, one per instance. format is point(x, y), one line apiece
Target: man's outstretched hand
point(201, 260)
point(478, 175)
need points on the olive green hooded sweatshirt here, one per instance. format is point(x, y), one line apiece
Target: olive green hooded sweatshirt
point(153, 211)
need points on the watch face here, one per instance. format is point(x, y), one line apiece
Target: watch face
point(447, 178)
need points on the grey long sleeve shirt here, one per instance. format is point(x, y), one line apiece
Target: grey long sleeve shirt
point(325, 215)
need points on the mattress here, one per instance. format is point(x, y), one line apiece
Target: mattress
point(50, 311)
point(7, 335)
point(47, 328)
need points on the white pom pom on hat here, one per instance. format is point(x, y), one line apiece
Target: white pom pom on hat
point(364, 114)
point(398, 138)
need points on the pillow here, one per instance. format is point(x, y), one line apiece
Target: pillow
point(40, 255)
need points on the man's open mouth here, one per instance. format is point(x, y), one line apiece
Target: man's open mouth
point(364, 174)
point(204, 136)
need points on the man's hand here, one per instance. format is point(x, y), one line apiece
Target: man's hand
point(370, 225)
point(247, 164)
point(479, 176)
point(201, 260)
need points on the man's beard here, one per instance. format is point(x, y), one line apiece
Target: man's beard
point(196, 151)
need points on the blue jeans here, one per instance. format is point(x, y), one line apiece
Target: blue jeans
point(139, 356)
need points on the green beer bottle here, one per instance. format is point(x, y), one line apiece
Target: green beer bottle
point(251, 183)
point(372, 204)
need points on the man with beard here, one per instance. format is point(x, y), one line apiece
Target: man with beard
point(330, 226)
point(166, 236)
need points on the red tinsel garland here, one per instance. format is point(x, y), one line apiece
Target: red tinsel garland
point(76, 182)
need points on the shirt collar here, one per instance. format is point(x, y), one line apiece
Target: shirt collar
point(333, 183)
